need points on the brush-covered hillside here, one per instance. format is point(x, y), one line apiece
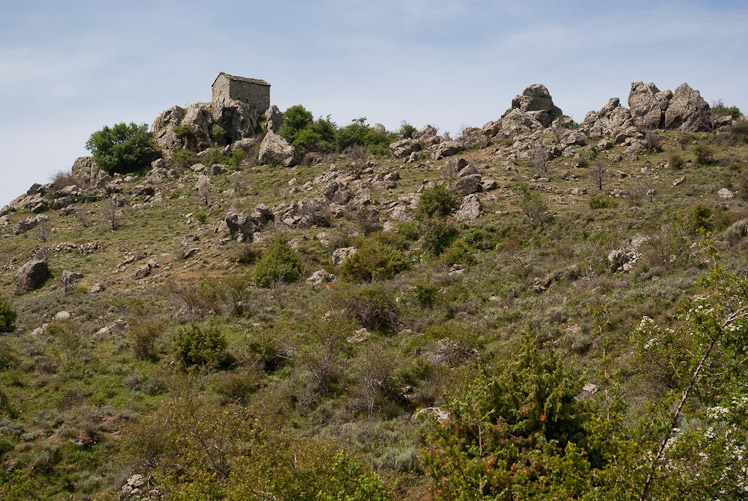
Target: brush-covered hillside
point(241, 303)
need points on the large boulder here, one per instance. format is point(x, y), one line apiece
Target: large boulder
point(274, 149)
point(647, 105)
point(163, 129)
point(517, 122)
point(536, 102)
point(31, 275)
point(688, 111)
point(470, 209)
point(611, 120)
point(86, 171)
point(70, 280)
point(404, 147)
point(446, 149)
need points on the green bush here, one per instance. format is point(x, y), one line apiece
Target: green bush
point(7, 317)
point(197, 346)
point(183, 159)
point(458, 252)
point(437, 201)
point(373, 261)
point(437, 233)
point(675, 161)
point(296, 119)
point(218, 134)
point(704, 154)
point(279, 263)
point(532, 204)
point(719, 109)
point(700, 218)
point(123, 148)
point(360, 133)
point(407, 131)
point(603, 202)
point(144, 336)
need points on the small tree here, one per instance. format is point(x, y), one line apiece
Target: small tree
point(123, 148)
point(280, 263)
point(295, 120)
point(437, 201)
point(599, 173)
point(199, 346)
point(7, 317)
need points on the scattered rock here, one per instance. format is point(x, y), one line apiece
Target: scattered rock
point(725, 194)
point(70, 280)
point(143, 271)
point(625, 256)
point(404, 148)
point(320, 277)
point(29, 223)
point(441, 415)
point(62, 315)
point(468, 185)
point(679, 181)
point(470, 209)
point(98, 288)
point(359, 336)
point(446, 148)
point(339, 255)
point(452, 352)
point(30, 276)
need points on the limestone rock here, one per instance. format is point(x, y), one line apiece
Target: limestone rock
point(611, 120)
point(468, 185)
point(404, 148)
point(320, 277)
point(725, 194)
point(240, 226)
point(30, 276)
point(29, 223)
point(143, 271)
point(70, 280)
point(98, 288)
point(273, 118)
point(339, 255)
point(688, 111)
point(447, 148)
point(358, 336)
point(517, 122)
point(470, 209)
point(85, 170)
point(276, 150)
point(536, 102)
point(647, 105)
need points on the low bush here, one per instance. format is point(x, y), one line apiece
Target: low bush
point(704, 154)
point(700, 218)
point(437, 233)
point(7, 317)
point(675, 161)
point(458, 253)
point(279, 263)
point(603, 202)
point(145, 334)
point(373, 261)
point(437, 201)
point(372, 306)
point(199, 346)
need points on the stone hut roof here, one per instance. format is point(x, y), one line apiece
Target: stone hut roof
point(242, 79)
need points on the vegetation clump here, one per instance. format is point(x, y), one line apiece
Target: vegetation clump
point(278, 264)
point(123, 148)
point(7, 316)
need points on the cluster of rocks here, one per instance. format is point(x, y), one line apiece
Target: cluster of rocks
point(426, 139)
point(242, 227)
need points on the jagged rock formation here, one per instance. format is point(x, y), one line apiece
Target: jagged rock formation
point(536, 103)
point(683, 110)
point(611, 120)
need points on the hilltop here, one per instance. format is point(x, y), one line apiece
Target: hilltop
point(280, 307)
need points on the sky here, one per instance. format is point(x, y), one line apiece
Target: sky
point(69, 67)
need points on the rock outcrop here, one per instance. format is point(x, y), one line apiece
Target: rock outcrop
point(536, 102)
point(30, 276)
point(274, 149)
point(647, 105)
point(688, 111)
point(611, 120)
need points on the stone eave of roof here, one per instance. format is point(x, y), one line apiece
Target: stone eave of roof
point(241, 79)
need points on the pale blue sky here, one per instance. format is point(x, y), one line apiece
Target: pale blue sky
point(69, 67)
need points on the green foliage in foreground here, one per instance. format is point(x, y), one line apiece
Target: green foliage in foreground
point(122, 148)
point(7, 317)
point(199, 346)
point(280, 263)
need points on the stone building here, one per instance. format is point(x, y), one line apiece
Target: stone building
point(251, 91)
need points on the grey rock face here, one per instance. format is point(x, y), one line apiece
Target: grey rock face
point(404, 148)
point(339, 255)
point(611, 120)
point(688, 111)
point(85, 170)
point(468, 185)
point(276, 150)
point(537, 103)
point(30, 276)
point(647, 105)
point(273, 118)
point(470, 209)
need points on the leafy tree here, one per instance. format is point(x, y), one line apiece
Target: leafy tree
point(280, 263)
point(123, 148)
point(296, 119)
point(374, 260)
point(360, 133)
point(7, 317)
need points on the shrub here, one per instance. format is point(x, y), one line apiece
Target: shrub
point(237, 157)
point(296, 119)
point(700, 219)
point(532, 204)
point(603, 202)
point(458, 253)
point(280, 263)
point(358, 132)
point(7, 317)
point(218, 134)
point(704, 154)
point(738, 133)
point(373, 261)
point(196, 346)
point(144, 336)
point(720, 110)
point(201, 216)
point(183, 159)
point(653, 142)
point(123, 148)
point(436, 234)
point(437, 201)
point(406, 130)
point(675, 161)
point(372, 306)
